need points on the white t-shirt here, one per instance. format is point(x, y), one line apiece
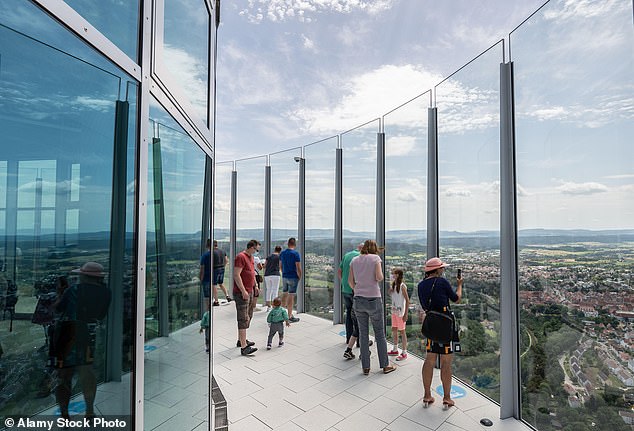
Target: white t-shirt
point(398, 301)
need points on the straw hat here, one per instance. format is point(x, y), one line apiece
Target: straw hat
point(434, 263)
point(92, 269)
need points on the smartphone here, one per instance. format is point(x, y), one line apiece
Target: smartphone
point(459, 273)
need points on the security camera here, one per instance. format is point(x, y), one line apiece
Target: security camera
point(297, 159)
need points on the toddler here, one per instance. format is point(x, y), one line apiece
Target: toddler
point(276, 318)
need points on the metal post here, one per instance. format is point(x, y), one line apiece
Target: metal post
point(268, 249)
point(159, 235)
point(233, 219)
point(301, 233)
point(114, 351)
point(509, 291)
point(205, 228)
point(380, 203)
point(337, 317)
point(432, 183)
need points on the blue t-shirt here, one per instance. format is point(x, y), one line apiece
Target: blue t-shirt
point(288, 258)
point(442, 293)
point(205, 261)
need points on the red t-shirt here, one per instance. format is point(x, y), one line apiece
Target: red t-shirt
point(244, 261)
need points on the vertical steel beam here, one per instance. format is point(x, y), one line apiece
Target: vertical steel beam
point(432, 183)
point(380, 203)
point(160, 238)
point(233, 217)
point(267, 209)
point(301, 233)
point(337, 317)
point(509, 291)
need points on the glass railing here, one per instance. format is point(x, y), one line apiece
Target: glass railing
point(222, 215)
point(250, 201)
point(320, 223)
point(573, 81)
point(468, 105)
point(406, 204)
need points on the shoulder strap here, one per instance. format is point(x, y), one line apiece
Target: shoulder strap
point(431, 293)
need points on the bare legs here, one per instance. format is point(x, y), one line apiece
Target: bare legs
point(288, 300)
point(445, 376)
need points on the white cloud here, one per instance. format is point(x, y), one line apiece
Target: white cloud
point(583, 9)
point(303, 10)
point(589, 188)
point(619, 177)
point(457, 192)
point(191, 75)
point(308, 43)
point(407, 196)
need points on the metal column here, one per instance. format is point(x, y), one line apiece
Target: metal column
point(432, 183)
point(337, 317)
point(233, 218)
point(267, 209)
point(380, 203)
point(301, 233)
point(509, 291)
point(159, 235)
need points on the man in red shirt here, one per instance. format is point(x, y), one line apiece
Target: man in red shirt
point(243, 286)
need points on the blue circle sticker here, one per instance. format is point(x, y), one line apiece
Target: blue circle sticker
point(74, 408)
point(149, 348)
point(342, 333)
point(456, 391)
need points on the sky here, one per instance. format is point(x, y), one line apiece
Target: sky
point(292, 72)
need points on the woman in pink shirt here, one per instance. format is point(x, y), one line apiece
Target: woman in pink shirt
point(365, 275)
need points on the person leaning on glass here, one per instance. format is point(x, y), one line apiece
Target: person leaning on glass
point(434, 293)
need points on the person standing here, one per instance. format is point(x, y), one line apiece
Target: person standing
point(400, 306)
point(220, 263)
point(352, 327)
point(290, 265)
point(243, 287)
point(365, 274)
point(434, 293)
point(272, 276)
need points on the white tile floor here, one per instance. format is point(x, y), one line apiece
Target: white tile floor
point(308, 385)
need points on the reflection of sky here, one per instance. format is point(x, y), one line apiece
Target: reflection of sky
point(250, 207)
point(320, 185)
point(284, 190)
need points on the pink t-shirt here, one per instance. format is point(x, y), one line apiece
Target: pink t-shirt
point(364, 269)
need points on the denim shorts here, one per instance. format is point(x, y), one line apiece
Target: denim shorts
point(206, 290)
point(289, 285)
point(219, 276)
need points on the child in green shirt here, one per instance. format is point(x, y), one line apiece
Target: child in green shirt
point(276, 318)
point(204, 325)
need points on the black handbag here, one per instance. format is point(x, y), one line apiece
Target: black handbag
point(438, 326)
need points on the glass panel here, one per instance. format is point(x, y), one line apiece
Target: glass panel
point(575, 176)
point(222, 214)
point(250, 207)
point(469, 218)
point(174, 297)
point(320, 223)
point(117, 20)
point(59, 134)
point(359, 183)
point(186, 50)
point(405, 205)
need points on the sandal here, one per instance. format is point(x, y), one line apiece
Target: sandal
point(447, 403)
point(366, 371)
point(389, 369)
point(428, 402)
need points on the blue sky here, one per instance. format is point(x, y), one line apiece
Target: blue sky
point(291, 72)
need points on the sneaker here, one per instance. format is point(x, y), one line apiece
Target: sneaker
point(402, 356)
point(393, 352)
point(248, 351)
point(268, 309)
point(293, 319)
point(348, 354)
point(268, 347)
point(216, 304)
point(229, 299)
point(249, 343)
point(281, 344)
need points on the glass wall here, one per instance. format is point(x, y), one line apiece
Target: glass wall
point(67, 266)
point(406, 203)
point(222, 212)
point(250, 208)
point(469, 218)
point(176, 363)
point(320, 232)
point(573, 80)
point(284, 196)
point(359, 183)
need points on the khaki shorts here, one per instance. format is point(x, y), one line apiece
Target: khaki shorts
point(244, 310)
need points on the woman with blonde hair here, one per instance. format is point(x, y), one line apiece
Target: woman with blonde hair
point(365, 275)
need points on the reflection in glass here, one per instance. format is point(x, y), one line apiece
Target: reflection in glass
point(173, 295)
point(573, 80)
point(222, 212)
point(284, 196)
point(320, 220)
point(469, 218)
point(250, 206)
point(405, 204)
point(60, 208)
point(186, 50)
point(117, 20)
point(359, 184)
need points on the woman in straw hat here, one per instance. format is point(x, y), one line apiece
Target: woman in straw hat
point(434, 293)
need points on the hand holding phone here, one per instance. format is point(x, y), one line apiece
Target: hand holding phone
point(459, 273)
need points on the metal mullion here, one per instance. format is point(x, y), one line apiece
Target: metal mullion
point(432, 183)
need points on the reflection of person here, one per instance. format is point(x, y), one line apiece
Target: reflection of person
point(272, 276)
point(434, 293)
point(276, 318)
point(80, 309)
point(258, 264)
point(290, 265)
point(400, 306)
point(365, 275)
point(220, 262)
point(204, 327)
point(243, 287)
